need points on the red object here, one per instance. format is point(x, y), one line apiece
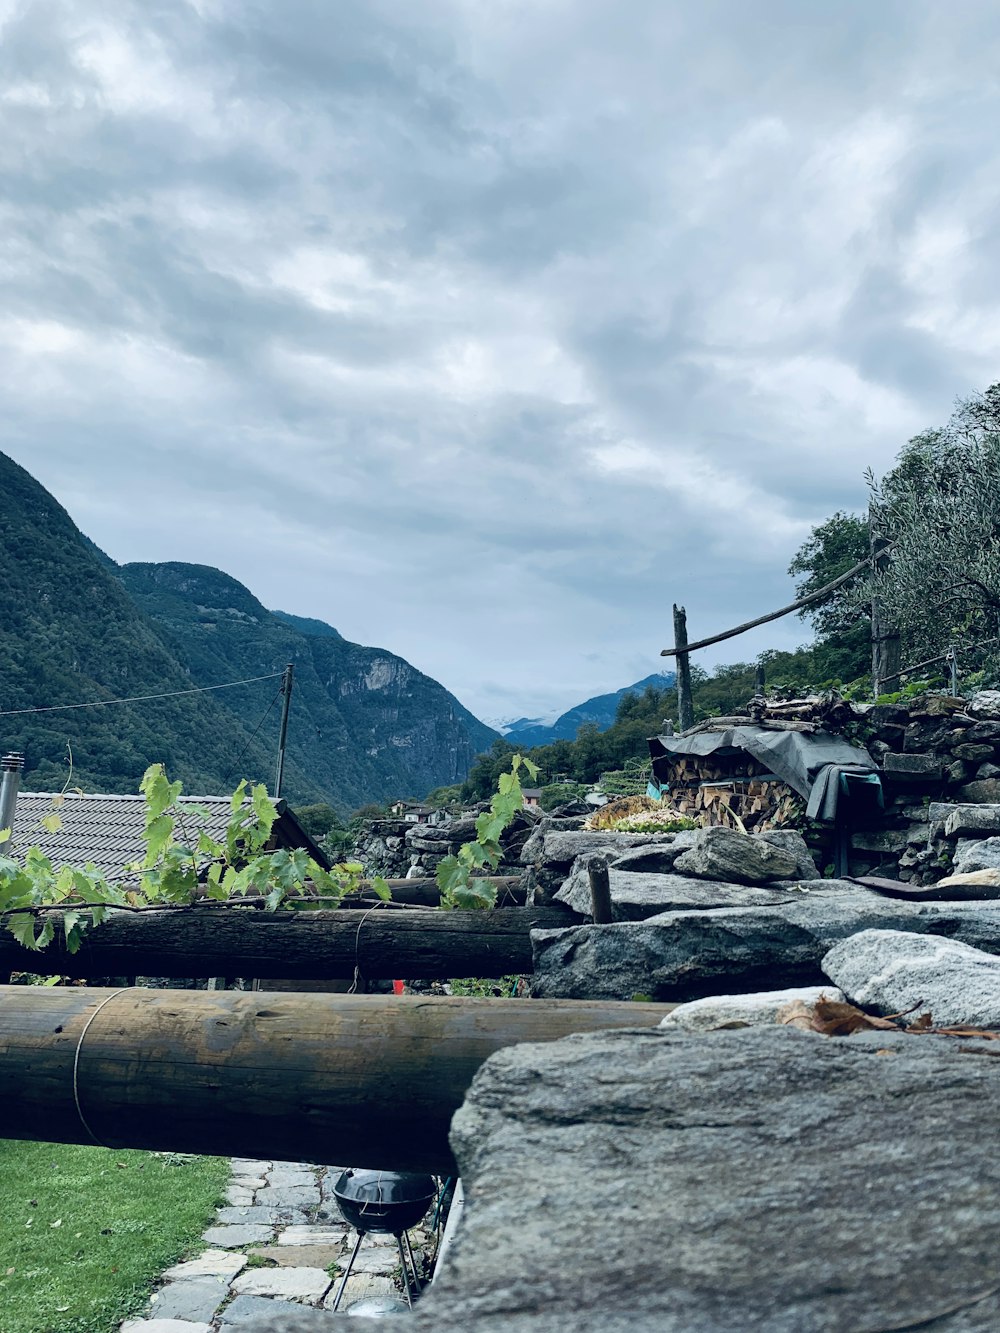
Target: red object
point(397, 988)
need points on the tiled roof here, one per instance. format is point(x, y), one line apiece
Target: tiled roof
point(106, 830)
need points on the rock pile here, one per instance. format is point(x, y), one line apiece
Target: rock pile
point(396, 847)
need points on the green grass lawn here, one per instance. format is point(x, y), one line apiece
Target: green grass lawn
point(85, 1232)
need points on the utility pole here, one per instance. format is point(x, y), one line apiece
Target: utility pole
point(685, 703)
point(286, 699)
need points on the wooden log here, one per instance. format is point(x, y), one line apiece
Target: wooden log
point(366, 1080)
point(424, 892)
point(220, 941)
point(600, 891)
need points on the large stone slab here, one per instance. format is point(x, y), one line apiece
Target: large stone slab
point(891, 971)
point(731, 1182)
point(736, 858)
point(635, 896)
point(234, 1237)
point(791, 841)
point(260, 1314)
point(687, 955)
point(980, 819)
point(164, 1326)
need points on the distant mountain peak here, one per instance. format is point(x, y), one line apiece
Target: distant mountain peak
point(600, 711)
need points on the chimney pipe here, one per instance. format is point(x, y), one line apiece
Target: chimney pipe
point(10, 783)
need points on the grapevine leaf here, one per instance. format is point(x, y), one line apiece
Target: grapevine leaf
point(158, 833)
point(381, 888)
point(4, 835)
point(52, 823)
point(22, 926)
point(236, 802)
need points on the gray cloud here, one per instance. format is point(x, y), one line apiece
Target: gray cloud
point(488, 330)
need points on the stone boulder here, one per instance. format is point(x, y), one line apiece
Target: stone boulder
point(891, 971)
point(791, 840)
point(977, 854)
point(981, 819)
point(736, 858)
point(634, 896)
point(759, 1181)
point(688, 955)
point(759, 1008)
point(985, 704)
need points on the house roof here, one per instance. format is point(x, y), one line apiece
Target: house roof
point(107, 829)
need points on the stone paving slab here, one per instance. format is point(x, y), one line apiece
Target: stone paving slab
point(259, 1215)
point(251, 1182)
point(295, 1196)
point(309, 1235)
point(284, 1178)
point(360, 1287)
point(234, 1238)
point(308, 1285)
point(236, 1196)
point(380, 1259)
point(299, 1256)
point(194, 1299)
point(268, 1314)
point(213, 1263)
point(244, 1164)
point(164, 1326)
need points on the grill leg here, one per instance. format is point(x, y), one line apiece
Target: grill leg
point(347, 1274)
point(417, 1285)
point(406, 1276)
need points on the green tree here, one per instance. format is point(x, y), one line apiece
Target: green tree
point(318, 820)
point(940, 508)
point(842, 651)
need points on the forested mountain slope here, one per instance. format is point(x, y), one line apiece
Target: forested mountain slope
point(76, 628)
point(365, 724)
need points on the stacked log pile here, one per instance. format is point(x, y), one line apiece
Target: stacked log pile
point(736, 793)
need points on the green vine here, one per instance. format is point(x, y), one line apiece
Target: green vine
point(236, 868)
point(459, 886)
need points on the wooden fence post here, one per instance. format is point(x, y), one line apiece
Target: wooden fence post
point(685, 704)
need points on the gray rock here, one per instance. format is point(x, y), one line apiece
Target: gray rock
point(195, 1300)
point(687, 955)
point(744, 1011)
point(252, 1215)
point(655, 858)
point(737, 1181)
point(636, 896)
point(981, 819)
point(891, 971)
point(566, 847)
point(212, 1263)
point(736, 858)
point(982, 791)
point(985, 704)
point(927, 765)
point(981, 854)
point(792, 841)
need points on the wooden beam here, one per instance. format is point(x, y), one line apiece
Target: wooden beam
point(220, 941)
point(772, 615)
point(424, 892)
point(363, 1080)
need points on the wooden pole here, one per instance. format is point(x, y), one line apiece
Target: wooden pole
point(773, 615)
point(220, 941)
point(685, 703)
point(424, 892)
point(369, 1081)
point(600, 891)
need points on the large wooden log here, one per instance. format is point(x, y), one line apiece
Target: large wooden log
point(218, 941)
point(349, 1079)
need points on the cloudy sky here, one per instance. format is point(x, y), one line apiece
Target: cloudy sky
point(487, 329)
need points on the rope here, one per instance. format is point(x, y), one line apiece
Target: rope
point(352, 989)
point(76, 1063)
point(140, 698)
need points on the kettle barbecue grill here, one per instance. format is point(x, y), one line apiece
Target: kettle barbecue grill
point(389, 1202)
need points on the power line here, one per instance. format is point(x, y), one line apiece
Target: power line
point(141, 698)
point(253, 736)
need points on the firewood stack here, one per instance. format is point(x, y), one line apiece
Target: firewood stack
point(737, 793)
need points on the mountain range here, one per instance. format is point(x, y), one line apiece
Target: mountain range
point(78, 630)
point(600, 711)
